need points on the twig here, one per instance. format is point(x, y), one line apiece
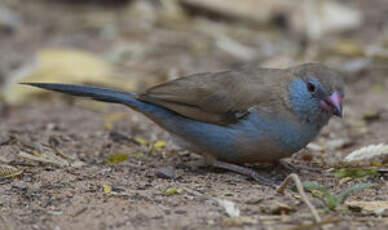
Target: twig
point(303, 195)
point(315, 225)
point(367, 219)
point(59, 153)
point(196, 193)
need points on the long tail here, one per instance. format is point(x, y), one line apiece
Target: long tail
point(96, 93)
point(162, 116)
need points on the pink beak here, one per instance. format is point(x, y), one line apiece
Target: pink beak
point(333, 104)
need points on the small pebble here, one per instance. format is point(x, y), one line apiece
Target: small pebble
point(166, 173)
point(19, 185)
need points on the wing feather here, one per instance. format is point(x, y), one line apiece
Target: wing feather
point(221, 98)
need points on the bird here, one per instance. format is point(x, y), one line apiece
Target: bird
point(248, 114)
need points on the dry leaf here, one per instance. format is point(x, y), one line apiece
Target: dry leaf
point(64, 66)
point(369, 206)
point(107, 188)
point(51, 159)
point(158, 145)
point(316, 18)
point(77, 164)
point(141, 140)
point(238, 221)
point(173, 191)
point(279, 208)
point(338, 143)
point(355, 172)
point(368, 154)
point(348, 47)
point(117, 158)
point(370, 116)
point(315, 147)
point(7, 171)
point(229, 206)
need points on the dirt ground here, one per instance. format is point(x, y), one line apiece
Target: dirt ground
point(133, 194)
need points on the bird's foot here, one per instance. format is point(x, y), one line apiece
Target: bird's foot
point(245, 171)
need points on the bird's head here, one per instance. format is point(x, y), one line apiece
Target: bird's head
point(316, 92)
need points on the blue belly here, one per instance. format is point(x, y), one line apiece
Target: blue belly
point(254, 138)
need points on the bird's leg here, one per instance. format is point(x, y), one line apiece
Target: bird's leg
point(244, 171)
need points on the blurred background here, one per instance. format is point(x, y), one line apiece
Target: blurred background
point(132, 44)
point(135, 44)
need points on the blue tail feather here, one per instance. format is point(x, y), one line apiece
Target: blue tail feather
point(154, 112)
point(96, 93)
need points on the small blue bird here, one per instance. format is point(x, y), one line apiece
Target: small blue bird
point(244, 115)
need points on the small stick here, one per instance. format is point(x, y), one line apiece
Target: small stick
point(303, 195)
point(60, 154)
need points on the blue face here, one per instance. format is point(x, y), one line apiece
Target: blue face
point(305, 96)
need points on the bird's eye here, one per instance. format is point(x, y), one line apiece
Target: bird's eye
point(311, 87)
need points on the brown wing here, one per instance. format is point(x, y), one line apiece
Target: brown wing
point(221, 98)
